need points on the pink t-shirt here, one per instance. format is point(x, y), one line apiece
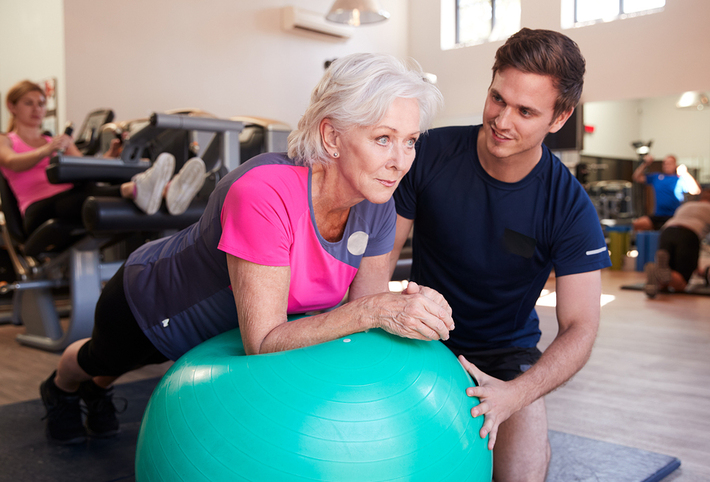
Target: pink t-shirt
point(31, 185)
point(266, 219)
point(178, 287)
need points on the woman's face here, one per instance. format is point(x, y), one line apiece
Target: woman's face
point(374, 159)
point(30, 109)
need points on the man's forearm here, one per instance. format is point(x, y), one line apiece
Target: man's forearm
point(565, 356)
point(639, 174)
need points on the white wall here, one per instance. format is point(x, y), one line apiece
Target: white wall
point(616, 125)
point(227, 57)
point(31, 47)
point(682, 132)
point(647, 56)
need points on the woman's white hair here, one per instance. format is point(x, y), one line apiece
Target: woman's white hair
point(357, 90)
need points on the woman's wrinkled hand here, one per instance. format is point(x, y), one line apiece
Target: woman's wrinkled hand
point(418, 312)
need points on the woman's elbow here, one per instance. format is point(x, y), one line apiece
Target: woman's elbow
point(252, 348)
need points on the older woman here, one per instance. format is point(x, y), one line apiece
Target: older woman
point(24, 157)
point(280, 235)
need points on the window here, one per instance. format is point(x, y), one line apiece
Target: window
point(592, 11)
point(474, 20)
point(471, 22)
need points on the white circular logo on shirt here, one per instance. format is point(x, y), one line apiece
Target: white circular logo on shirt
point(357, 242)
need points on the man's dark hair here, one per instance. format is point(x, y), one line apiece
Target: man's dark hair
point(546, 52)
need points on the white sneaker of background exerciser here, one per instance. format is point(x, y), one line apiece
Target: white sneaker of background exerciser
point(150, 183)
point(185, 185)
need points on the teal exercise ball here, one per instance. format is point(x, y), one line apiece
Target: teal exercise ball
point(367, 407)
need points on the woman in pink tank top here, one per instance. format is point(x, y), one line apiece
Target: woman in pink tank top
point(25, 153)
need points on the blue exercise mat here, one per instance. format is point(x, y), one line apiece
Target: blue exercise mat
point(583, 459)
point(25, 454)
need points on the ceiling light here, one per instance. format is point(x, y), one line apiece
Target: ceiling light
point(693, 100)
point(642, 148)
point(357, 12)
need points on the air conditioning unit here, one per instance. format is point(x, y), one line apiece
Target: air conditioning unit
point(297, 19)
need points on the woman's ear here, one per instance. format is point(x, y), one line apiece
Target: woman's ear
point(329, 136)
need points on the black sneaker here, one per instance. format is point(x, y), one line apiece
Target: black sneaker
point(64, 425)
point(101, 420)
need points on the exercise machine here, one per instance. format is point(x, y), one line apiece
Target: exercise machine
point(79, 257)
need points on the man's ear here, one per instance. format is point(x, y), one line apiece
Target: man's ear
point(328, 135)
point(560, 121)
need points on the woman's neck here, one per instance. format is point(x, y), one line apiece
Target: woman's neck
point(330, 208)
point(29, 134)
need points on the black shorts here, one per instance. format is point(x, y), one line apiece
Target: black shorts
point(683, 246)
point(658, 221)
point(117, 344)
point(502, 363)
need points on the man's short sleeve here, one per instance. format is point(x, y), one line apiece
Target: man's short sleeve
point(579, 244)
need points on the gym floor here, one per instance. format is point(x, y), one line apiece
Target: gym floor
point(646, 385)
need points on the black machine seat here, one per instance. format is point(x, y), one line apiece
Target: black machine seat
point(13, 218)
point(53, 236)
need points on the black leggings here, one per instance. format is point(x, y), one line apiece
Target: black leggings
point(683, 246)
point(117, 344)
point(65, 205)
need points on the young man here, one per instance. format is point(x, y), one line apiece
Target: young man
point(493, 212)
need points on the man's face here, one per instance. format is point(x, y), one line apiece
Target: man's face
point(517, 116)
point(669, 165)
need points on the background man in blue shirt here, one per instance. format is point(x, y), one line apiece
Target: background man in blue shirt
point(669, 188)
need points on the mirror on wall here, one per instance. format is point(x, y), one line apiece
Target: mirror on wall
point(608, 157)
point(612, 126)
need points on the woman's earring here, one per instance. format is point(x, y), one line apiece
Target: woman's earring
point(335, 154)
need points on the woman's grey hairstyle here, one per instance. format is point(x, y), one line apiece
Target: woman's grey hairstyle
point(357, 90)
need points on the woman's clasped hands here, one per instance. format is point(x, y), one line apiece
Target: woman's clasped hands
point(418, 312)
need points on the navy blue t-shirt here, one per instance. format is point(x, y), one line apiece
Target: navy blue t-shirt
point(489, 246)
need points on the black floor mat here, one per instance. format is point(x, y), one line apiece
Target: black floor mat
point(25, 454)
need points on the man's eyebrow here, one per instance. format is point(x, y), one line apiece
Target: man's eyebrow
point(533, 110)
